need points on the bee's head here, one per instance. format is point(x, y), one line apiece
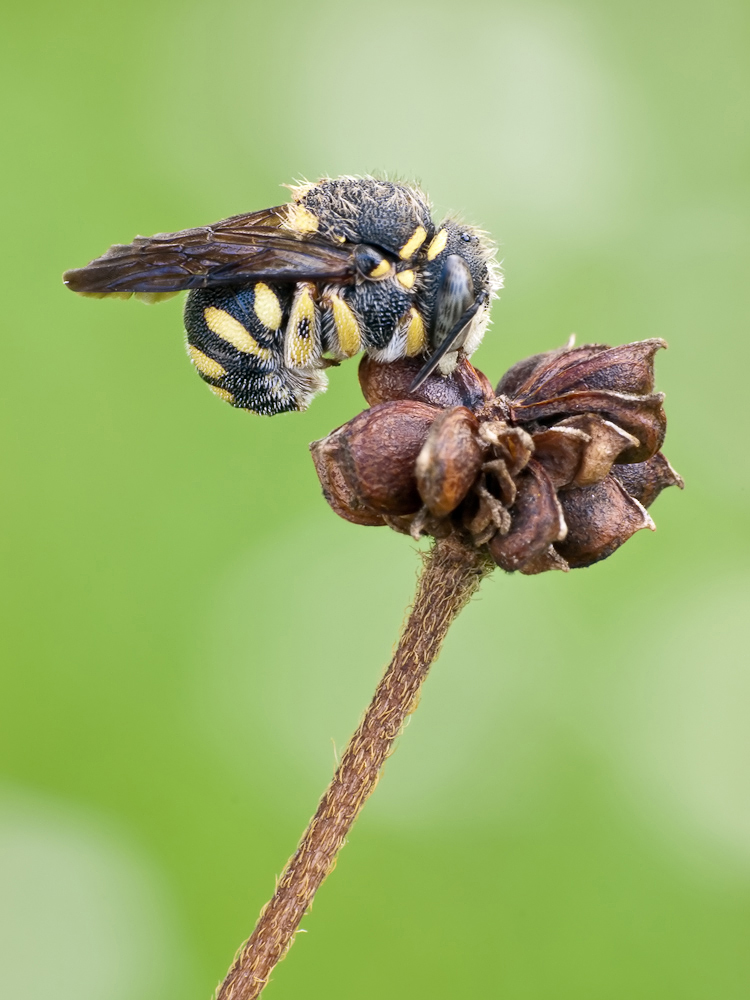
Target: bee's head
point(459, 271)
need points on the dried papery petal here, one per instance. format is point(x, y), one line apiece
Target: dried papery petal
point(599, 518)
point(382, 382)
point(326, 455)
point(628, 369)
point(450, 460)
point(548, 560)
point(513, 444)
point(476, 388)
point(641, 416)
point(421, 523)
point(378, 453)
point(606, 442)
point(520, 373)
point(400, 522)
point(537, 521)
point(426, 523)
point(496, 471)
point(561, 450)
point(646, 480)
point(484, 515)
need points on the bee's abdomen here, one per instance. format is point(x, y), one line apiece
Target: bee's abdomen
point(235, 340)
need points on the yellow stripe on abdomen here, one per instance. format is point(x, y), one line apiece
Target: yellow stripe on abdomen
point(230, 329)
point(267, 306)
point(205, 365)
point(222, 393)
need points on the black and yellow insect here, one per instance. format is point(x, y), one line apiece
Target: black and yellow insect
point(349, 265)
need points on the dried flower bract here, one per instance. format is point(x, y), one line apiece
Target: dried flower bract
point(552, 470)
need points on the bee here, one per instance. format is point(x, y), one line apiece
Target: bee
point(277, 296)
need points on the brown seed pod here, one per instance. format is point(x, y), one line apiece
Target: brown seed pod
point(646, 480)
point(450, 460)
point(385, 381)
point(580, 451)
point(537, 521)
point(641, 416)
point(628, 368)
point(599, 519)
point(326, 455)
point(378, 451)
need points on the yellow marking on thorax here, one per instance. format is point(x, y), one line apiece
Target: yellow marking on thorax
point(413, 244)
point(301, 220)
point(416, 335)
point(205, 365)
point(300, 345)
point(406, 279)
point(230, 329)
point(438, 244)
point(347, 327)
point(267, 306)
point(381, 269)
point(222, 393)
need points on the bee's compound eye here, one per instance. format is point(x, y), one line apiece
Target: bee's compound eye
point(371, 263)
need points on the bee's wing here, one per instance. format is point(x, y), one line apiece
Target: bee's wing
point(253, 247)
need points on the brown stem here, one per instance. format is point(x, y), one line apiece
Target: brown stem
point(452, 573)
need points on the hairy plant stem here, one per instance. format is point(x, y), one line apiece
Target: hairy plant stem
point(451, 574)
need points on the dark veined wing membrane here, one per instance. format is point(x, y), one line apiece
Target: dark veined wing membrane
point(252, 247)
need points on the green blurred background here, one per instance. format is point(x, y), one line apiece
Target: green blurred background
point(190, 634)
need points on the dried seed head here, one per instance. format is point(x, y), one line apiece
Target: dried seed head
point(552, 472)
